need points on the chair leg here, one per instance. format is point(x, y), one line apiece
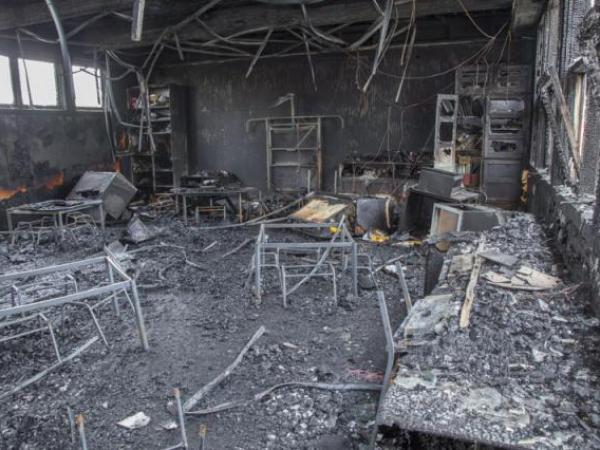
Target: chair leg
point(52, 336)
point(335, 299)
point(129, 300)
point(96, 323)
point(73, 235)
point(283, 287)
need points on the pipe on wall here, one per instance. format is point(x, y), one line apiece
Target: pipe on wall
point(66, 57)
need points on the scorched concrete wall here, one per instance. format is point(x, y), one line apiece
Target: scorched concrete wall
point(569, 222)
point(221, 99)
point(42, 153)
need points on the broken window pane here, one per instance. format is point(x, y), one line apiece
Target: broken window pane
point(42, 81)
point(88, 93)
point(6, 89)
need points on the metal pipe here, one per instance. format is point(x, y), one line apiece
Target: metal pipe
point(138, 20)
point(380, 47)
point(66, 57)
point(71, 423)
point(81, 427)
point(309, 59)
point(390, 352)
point(184, 441)
point(259, 52)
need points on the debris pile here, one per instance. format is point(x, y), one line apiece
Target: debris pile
point(522, 371)
point(199, 315)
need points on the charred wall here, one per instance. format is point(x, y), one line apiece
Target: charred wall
point(565, 205)
point(42, 153)
point(221, 99)
point(570, 225)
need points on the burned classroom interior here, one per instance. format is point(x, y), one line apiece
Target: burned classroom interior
point(299, 224)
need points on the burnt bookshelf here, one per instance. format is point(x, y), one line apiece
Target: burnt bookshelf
point(158, 155)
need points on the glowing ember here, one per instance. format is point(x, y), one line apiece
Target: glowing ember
point(5, 194)
point(55, 181)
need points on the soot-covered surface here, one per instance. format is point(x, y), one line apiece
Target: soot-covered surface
point(197, 321)
point(523, 374)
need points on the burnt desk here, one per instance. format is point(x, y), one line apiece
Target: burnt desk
point(214, 193)
point(57, 209)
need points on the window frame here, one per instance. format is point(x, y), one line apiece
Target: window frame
point(578, 102)
point(60, 100)
point(12, 85)
point(579, 107)
point(100, 76)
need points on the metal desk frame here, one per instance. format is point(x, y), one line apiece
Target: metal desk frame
point(184, 193)
point(346, 243)
point(121, 284)
point(35, 209)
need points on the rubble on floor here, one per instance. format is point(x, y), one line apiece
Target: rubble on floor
point(524, 371)
point(521, 374)
point(198, 315)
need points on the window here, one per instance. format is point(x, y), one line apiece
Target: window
point(6, 88)
point(576, 89)
point(42, 81)
point(88, 89)
point(578, 108)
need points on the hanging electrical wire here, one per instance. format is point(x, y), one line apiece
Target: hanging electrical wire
point(235, 46)
point(406, 63)
point(475, 24)
point(387, 16)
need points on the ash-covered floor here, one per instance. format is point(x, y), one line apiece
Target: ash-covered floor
point(524, 373)
point(198, 320)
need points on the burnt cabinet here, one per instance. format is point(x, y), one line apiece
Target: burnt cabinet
point(157, 152)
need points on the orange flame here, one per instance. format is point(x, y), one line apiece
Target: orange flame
point(56, 181)
point(5, 194)
point(117, 165)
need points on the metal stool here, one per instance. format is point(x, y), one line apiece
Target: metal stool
point(77, 222)
point(35, 229)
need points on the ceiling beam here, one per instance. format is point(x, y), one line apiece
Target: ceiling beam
point(26, 14)
point(526, 15)
point(232, 20)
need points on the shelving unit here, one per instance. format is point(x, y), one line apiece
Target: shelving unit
point(294, 149)
point(294, 153)
point(158, 156)
point(445, 132)
point(504, 146)
point(499, 132)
